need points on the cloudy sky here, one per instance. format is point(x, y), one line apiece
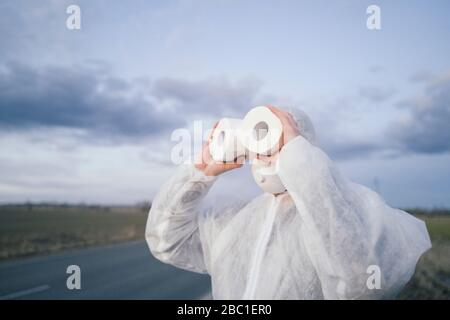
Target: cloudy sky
point(87, 115)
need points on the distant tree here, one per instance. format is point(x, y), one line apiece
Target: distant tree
point(144, 205)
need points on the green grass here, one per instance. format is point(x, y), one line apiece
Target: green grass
point(46, 229)
point(438, 226)
point(432, 277)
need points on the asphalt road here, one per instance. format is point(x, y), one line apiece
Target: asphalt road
point(124, 271)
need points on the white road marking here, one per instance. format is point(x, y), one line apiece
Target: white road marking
point(22, 293)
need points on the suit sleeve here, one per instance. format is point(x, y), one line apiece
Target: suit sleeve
point(172, 232)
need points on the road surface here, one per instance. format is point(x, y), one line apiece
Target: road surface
point(123, 271)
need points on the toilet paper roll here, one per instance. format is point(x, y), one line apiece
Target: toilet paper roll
point(225, 145)
point(261, 131)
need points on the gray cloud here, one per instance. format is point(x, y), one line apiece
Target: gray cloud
point(351, 149)
point(376, 69)
point(427, 129)
point(213, 96)
point(89, 99)
point(376, 94)
point(78, 98)
point(421, 76)
point(108, 108)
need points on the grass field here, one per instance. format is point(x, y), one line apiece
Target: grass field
point(432, 277)
point(35, 230)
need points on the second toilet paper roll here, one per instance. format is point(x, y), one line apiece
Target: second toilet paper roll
point(261, 131)
point(225, 145)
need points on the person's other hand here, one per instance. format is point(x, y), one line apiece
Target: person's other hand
point(290, 128)
point(210, 167)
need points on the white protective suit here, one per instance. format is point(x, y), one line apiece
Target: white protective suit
point(319, 240)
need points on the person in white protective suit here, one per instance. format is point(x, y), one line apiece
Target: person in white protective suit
point(325, 237)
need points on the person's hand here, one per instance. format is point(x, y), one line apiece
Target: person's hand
point(290, 128)
point(210, 167)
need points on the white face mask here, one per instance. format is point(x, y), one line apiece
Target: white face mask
point(266, 176)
